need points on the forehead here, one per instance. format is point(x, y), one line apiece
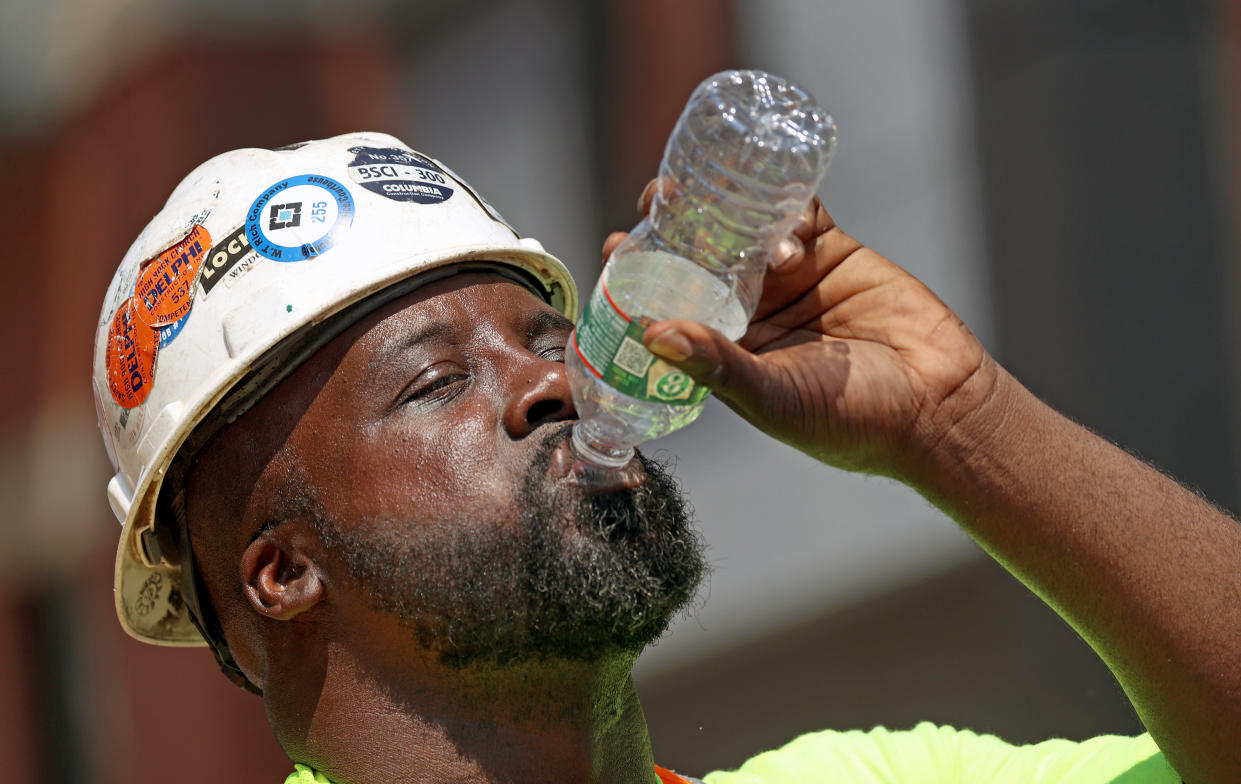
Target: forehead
point(451, 309)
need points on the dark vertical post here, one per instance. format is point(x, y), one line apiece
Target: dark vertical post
point(654, 54)
point(1107, 255)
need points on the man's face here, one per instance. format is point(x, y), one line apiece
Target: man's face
point(434, 463)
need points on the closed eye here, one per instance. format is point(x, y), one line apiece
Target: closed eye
point(546, 334)
point(436, 384)
point(554, 353)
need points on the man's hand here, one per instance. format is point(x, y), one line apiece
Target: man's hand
point(856, 363)
point(848, 357)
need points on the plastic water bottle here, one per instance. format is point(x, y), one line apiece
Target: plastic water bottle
point(744, 159)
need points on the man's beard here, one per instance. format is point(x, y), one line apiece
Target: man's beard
point(576, 580)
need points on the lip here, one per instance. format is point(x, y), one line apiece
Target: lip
point(562, 460)
point(594, 480)
point(603, 481)
point(565, 466)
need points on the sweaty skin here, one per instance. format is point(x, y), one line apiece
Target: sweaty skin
point(857, 364)
point(427, 423)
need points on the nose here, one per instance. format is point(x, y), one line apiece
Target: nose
point(539, 394)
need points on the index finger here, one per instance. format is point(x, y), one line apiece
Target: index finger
point(826, 247)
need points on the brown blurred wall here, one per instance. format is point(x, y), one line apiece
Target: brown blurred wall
point(82, 701)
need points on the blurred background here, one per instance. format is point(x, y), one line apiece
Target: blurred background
point(1063, 173)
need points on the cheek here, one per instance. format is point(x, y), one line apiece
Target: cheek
point(433, 468)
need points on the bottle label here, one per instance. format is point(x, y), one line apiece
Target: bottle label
point(609, 343)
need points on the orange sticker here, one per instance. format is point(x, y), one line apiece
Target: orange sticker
point(164, 292)
point(130, 356)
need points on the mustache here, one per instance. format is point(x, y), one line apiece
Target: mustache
point(554, 436)
point(610, 516)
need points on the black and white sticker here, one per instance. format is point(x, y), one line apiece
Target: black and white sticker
point(223, 258)
point(401, 175)
point(299, 217)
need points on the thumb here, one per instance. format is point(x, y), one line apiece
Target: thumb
point(731, 373)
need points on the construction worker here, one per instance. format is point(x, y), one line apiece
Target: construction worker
point(330, 379)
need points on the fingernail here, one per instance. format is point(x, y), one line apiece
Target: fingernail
point(672, 346)
point(804, 224)
point(784, 252)
point(646, 196)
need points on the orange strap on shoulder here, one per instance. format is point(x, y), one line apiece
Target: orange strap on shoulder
point(668, 777)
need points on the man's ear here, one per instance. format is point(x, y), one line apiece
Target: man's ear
point(279, 581)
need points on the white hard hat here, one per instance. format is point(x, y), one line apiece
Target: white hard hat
point(258, 258)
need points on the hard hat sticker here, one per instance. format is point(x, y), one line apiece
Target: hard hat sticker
point(299, 217)
point(401, 175)
point(162, 293)
point(224, 257)
point(169, 333)
point(129, 357)
point(128, 425)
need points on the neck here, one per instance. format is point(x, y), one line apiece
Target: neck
point(533, 722)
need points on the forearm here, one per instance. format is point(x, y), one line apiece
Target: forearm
point(859, 365)
point(1146, 571)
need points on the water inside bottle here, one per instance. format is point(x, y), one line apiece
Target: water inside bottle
point(661, 285)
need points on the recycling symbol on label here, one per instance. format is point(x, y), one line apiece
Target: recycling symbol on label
point(673, 385)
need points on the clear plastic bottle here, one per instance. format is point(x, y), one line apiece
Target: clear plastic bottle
point(744, 159)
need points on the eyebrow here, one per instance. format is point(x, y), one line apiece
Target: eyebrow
point(534, 323)
point(546, 321)
point(439, 330)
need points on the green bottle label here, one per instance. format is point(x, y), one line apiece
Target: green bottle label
point(609, 343)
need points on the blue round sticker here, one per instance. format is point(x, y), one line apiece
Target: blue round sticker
point(299, 217)
point(169, 333)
